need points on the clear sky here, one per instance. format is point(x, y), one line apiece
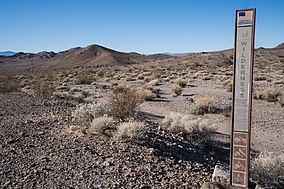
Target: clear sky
point(143, 26)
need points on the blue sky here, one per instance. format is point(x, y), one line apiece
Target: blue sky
point(144, 26)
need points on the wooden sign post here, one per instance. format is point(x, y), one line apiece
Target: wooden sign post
point(242, 97)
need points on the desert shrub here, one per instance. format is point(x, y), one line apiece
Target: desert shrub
point(229, 84)
point(101, 125)
point(91, 111)
point(100, 74)
point(124, 101)
point(281, 100)
point(148, 95)
point(85, 77)
point(181, 82)
point(269, 94)
point(259, 78)
point(152, 83)
point(205, 106)
point(193, 130)
point(9, 83)
point(267, 170)
point(73, 130)
point(130, 131)
point(43, 88)
point(176, 89)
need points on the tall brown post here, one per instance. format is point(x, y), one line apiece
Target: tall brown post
point(242, 97)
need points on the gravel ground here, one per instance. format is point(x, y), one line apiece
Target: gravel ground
point(35, 153)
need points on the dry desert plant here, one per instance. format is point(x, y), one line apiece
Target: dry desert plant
point(84, 77)
point(73, 130)
point(267, 170)
point(181, 82)
point(91, 111)
point(101, 125)
point(229, 84)
point(177, 90)
point(152, 83)
point(43, 88)
point(195, 131)
point(281, 100)
point(204, 106)
point(100, 74)
point(130, 131)
point(9, 83)
point(148, 95)
point(124, 101)
point(269, 94)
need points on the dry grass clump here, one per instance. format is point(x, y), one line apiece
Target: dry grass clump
point(43, 88)
point(267, 170)
point(73, 130)
point(84, 77)
point(152, 83)
point(9, 83)
point(259, 78)
point(130, 131)
point(102, 126)
point(281, 100)
point(229, 84)
point(269, 94)
point(205, 106)
point(124, 101)
point(177, 90)
point(181, 82)
point(91, 111)
point(195, 131)
point(101, 74)
point(148, 95)
point(148, 78)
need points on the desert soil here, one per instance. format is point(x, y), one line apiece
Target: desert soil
point(37, 153)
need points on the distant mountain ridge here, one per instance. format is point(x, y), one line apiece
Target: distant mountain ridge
point(90, 56)
point(7, 53)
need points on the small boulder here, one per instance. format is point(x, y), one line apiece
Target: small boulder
point(220, 174)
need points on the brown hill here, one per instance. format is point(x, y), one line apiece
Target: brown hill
point(91, 56)
point(280, 46)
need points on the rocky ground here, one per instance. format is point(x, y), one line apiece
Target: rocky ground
point(36, 152)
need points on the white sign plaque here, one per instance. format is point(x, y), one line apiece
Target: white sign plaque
point(242, 97)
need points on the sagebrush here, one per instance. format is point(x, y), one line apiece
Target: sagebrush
point(268, 170)
point(91, 111)
point(130, 131)
point(194, 130)
point(101, 125)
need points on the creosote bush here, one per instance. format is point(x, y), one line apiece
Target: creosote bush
point(101, 125)
point(195, 131)
point(267, 170)
point(124, 101)
point(130, 131)
point(91, 111)
point(9, 83)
